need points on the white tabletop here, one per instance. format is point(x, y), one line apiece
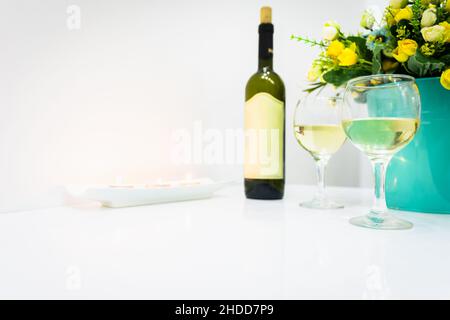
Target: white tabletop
point(226, 247)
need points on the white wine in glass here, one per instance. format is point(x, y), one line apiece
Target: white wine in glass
point(318, 131)
point(320, 140)
point(380, 115)
point(381, 136)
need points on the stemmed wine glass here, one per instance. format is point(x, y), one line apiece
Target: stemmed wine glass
point(380, 115)
point(318, 130)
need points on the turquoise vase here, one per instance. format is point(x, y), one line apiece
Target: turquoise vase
point(418, 177)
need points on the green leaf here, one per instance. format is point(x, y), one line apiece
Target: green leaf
point(341, 76)
point(421, 66)
point(445, 59)
point(377, 66)
point(315, 86)
point(362, 47)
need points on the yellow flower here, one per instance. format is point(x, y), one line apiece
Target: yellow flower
point(335, 49)
point(400, 56)
point(447, 6)
point(348, 57)
point(428, 49)
point(445, 79)
point(404, 14)
point(446, 25)
point(408, 46)
point(390, 16)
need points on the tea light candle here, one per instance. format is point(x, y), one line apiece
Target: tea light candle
point(160, 184)
point(119, 183)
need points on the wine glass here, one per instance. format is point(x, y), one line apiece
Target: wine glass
point(318, 130)
point(380, 115)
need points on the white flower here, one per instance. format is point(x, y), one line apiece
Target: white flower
point(367, 20)
point(398, 4)
point(314, 73)
point(331, 31)
point(433, 34)
point(429, 17)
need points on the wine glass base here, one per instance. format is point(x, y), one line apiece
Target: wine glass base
point(322, 204)
point(387, 222)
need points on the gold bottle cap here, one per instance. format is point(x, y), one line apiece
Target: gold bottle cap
point(266, 15)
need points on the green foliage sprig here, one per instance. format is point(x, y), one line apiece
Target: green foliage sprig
point(310, 42)
point(417, 9)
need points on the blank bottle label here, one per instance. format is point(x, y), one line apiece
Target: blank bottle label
point(264, 135)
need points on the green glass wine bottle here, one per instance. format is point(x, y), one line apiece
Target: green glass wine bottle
point(264, 164)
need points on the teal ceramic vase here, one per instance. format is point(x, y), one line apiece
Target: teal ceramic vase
point(418, 177)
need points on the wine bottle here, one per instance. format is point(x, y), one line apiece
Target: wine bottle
point(264, 164)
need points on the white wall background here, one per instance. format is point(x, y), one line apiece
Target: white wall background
point(85, 106)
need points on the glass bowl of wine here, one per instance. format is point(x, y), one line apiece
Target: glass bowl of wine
point(318, 130)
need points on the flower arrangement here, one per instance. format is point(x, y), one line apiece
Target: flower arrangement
point(413, 37)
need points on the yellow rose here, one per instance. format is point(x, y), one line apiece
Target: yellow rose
point(348, 57)
point(408, 47)
point(445, 79)
point(446, 25)
point(390, 16)
point(404, 14)
point(400, 56)
point(447, 5)
point(335, 49)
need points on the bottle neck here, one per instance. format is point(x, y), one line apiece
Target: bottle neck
point(265, 60)
point(265, 64)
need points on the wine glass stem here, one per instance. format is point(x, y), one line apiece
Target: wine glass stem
point(379, 204)
point(321, 166)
